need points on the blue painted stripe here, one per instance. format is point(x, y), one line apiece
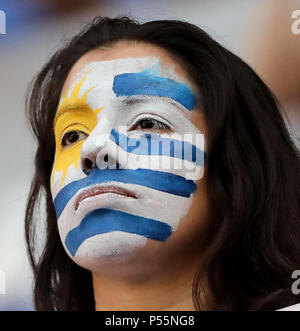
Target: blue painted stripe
point(151, 84)
point(154, 144)
point(158, 180)
point(107, 220)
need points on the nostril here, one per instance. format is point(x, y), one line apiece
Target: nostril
point(88, 164)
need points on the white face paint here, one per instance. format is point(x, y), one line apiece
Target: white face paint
point(105, 213)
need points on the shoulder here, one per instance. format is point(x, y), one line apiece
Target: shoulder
point(295, 307)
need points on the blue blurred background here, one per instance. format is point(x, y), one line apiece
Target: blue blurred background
point(259, 31)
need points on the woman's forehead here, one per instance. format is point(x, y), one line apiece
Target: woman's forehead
point(124, 58)
point(103, 71)
point(101, 82)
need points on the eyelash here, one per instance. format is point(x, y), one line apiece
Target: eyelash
point(159, 125)
point(81, 135)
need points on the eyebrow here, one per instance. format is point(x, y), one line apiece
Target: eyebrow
point(135, 100)
point(74, 107)
point(147, 83)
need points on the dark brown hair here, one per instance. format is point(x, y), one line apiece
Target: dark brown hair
point(253, 242)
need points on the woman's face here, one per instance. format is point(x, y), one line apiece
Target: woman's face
point(128, 178)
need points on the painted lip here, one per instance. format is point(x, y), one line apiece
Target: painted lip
point(102, 189)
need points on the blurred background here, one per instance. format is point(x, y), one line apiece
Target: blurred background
point(259, 31)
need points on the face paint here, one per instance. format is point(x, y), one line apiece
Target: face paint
point(73, 114)
point(105, 102)
point(150, 83)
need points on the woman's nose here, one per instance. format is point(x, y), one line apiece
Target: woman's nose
point(98, 151)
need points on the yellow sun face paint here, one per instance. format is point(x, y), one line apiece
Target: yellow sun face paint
point(73, 114)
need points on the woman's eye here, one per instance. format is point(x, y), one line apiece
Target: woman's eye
point(151, 123)
point(72, 137)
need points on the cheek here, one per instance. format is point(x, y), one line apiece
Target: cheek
point(177, 154)
point(193, 226)
point(65, 166)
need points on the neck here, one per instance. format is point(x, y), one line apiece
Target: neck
point(170, 290)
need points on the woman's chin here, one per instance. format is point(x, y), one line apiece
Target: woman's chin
point(106, 252)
